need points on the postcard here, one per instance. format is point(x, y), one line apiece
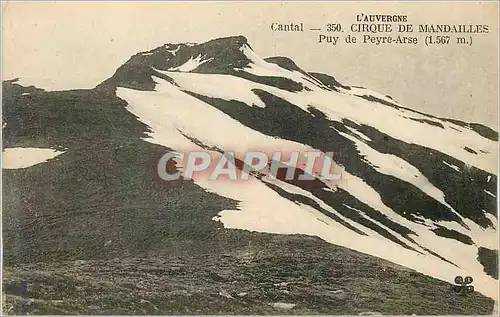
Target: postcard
point(250, 158)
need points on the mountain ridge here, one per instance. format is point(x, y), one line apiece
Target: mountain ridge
point(197, 80)
point(405, 198)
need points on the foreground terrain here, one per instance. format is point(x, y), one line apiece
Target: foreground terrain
point(269, 275)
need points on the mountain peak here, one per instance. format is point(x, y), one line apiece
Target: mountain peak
point(218, 56)
point(233, 42)
point(236, 40)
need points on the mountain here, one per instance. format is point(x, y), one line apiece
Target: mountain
point(415, 207)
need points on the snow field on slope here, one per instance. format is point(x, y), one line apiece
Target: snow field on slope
point(337, 106)
point(169, 111)
point(15, 158)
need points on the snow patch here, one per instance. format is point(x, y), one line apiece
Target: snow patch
point(456, 168)
point(259, 67)
point(212, 127)
point(359, 134)
point(489, 193)
point(15, 158)
point(174, 51)
point(338, 106)
point(395, 166)
point(191, 64)
point(239, 89)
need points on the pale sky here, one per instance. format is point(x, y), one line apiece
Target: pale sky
point(68, 45)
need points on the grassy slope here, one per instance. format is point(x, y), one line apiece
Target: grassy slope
point(317, 277)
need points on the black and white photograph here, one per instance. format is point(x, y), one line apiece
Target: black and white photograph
point(249, 158)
